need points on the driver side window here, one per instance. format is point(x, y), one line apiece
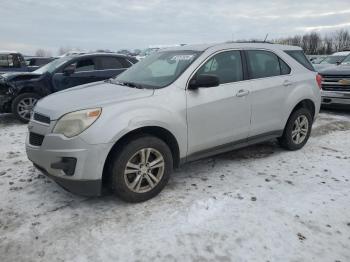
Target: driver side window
point(227, 66)
point(83, 65)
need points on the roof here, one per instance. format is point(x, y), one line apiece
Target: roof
point(3, 52)
point(98, 54)
point(219, 46)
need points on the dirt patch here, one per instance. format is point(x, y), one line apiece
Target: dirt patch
point(331, 127)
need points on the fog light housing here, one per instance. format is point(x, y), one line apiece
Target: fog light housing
point(67, 165)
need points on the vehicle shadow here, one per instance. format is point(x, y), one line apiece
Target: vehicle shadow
point(336, 111)
point(8, 120)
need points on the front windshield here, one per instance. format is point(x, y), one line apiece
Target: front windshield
point(52, 66)
point(159, 69)
point(333, 59)
point(346, 61)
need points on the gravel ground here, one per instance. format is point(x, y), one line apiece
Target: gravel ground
point(260, 203)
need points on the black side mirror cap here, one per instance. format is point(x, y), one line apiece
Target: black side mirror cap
point(204, 81)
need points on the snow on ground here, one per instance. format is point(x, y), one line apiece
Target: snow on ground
point(255, 204)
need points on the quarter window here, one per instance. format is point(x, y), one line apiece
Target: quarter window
point(227, 66)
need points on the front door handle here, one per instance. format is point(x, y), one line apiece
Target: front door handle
point(242, 93)
point(287, 83)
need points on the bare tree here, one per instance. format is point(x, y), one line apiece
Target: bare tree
point(43, 53)
point(63, 50)
point(342, 40)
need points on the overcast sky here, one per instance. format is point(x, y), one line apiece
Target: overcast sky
point(26, 25)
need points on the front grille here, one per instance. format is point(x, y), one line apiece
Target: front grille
point(336, 83)
point(35, 139)
point(41, 118)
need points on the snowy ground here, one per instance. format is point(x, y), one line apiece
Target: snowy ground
point(256, 204)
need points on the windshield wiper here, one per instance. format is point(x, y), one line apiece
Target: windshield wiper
point(129, 84)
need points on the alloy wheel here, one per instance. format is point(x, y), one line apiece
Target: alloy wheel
point(144, 170)
point(25, 106)
point(300, 129)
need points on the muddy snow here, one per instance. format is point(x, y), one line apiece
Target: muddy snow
point(255, 204)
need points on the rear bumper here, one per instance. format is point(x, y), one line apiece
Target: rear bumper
point(335, 98)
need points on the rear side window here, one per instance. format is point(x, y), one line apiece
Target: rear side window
point(262, 64)
point(4, 61)
point(300, 57)
point(227, 66)
point(10, 60)
point(110, 63)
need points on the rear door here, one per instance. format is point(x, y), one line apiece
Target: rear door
point(220, 115)
point(84, 73)
point(110, 66)
point(270, 83)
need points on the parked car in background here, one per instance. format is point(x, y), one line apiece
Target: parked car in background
point(12, 61)
point(316, 59)
point(175, 106)
point(332, 60)
point(336, 85)
point(144, 53)
point(19, 92)
point(33, 63)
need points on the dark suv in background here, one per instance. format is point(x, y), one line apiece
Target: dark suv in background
point(11, 61)
point(19, 92)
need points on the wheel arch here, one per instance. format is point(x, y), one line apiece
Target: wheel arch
point(156, 131)
point(304, 103)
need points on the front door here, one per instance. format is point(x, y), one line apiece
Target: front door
point(84, 72)
point(219, 115)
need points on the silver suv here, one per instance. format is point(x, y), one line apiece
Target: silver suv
point(175, 106)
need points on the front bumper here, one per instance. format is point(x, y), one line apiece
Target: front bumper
point(5, 103)
point(335, 98)
point(86, 176)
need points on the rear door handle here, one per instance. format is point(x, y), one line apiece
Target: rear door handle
point(242, 93)
point(287, 83)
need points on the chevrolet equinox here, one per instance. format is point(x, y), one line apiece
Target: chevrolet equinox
point(180, 104)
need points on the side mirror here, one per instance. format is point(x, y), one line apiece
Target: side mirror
point(204, 81)
point(338, 63)
point(69, 70)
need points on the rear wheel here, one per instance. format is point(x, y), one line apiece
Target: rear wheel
point(297, 130)
point(141, 169)
point(23, 104)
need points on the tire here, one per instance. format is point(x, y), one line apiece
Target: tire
point(19, 103)
point(134, 186)
point(289, 139)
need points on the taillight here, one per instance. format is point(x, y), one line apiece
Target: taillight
point(319, 80)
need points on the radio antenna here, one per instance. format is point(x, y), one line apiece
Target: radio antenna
point(266, 37)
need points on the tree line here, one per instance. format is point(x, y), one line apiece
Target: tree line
point(314, 43)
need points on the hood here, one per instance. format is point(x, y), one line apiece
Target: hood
point(98, 94)
point(20, 76)
point(320, 67)
point(336, 70)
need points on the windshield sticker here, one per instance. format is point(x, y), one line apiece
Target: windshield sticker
point(182, 57)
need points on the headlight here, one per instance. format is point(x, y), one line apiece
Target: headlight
point(72, 124)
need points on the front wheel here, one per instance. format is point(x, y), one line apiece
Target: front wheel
point(297, 130)
point(23, 104)
point(141, 169)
